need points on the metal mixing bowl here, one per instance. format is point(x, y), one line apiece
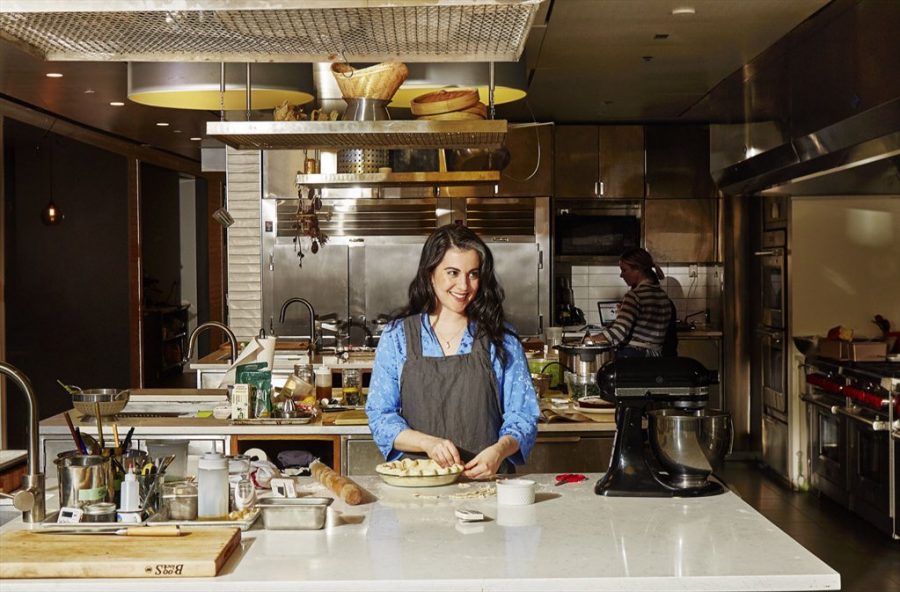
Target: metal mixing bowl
point(110, 401)
point(690, 445)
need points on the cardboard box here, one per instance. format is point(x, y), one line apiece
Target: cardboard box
point(834, 349)
point(868, 351)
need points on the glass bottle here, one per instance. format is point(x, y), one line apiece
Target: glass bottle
point(323, 385)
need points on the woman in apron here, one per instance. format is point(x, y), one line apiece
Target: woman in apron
point(450, 380)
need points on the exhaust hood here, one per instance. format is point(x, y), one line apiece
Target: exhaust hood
point(857, 156)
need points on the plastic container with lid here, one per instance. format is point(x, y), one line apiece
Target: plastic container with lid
point(350, 386)
point(212, 486)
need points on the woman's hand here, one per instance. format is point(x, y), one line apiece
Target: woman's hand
point(443, 451)
point(485, 464)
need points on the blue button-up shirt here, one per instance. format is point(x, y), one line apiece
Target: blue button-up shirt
point(518, 403)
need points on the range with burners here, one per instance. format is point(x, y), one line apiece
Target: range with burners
point(684, 442)
point(854, 435)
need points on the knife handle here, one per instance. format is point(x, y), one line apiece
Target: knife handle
point(154, 531)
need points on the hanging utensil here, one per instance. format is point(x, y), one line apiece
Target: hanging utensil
point(99, 424)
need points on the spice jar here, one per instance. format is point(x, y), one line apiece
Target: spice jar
point(180, 499)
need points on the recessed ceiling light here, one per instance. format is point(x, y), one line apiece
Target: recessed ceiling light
point(176, 131)
point(682, 10)
point(53, 75)
point(162, 124)
point(116, 104)
point(196, 139)
point(89, 91)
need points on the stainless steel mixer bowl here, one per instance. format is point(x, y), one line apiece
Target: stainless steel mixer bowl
point(690, 444)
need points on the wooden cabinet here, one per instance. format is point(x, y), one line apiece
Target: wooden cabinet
point(593, 161)
point(530, 169)
point(678, 162)
point(165, 342)
point(569, 452)
point(681, 230)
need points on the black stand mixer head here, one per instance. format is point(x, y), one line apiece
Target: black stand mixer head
point(668, 462)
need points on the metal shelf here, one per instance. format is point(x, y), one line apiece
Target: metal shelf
point(265, 31)
point(331, 135)
point(400, 179)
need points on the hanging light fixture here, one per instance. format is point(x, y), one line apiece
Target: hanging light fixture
point(51, 215)
point(196, 85)
point(510, 81)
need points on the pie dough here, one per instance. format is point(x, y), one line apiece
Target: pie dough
point(409, 467)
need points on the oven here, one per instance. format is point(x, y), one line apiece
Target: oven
point(868, 469)
point(895, 477)
point(827, 446)
point(853, 434)
point(773, 373)
point(772, 258)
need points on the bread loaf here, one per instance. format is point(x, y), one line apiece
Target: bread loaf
point(346, 489)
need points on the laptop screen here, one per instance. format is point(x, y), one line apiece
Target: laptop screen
point(607, 311)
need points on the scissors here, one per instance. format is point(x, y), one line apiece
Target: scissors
point(569, 478)
point(148, 469)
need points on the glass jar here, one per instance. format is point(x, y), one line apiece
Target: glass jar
point(180, 500)
point(238, 470)
point(99, 512)
point(350, 386)
point(323, 385)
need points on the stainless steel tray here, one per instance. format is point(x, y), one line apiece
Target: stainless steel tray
point(295, 513)
point(50, 522)
point(273, 421)
point(162, 519)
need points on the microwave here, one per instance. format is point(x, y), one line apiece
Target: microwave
point(595, 232)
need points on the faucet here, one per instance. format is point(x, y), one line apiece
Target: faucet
point(232, 340)
point(705, 314)
point(313, 339)
point(30, 499)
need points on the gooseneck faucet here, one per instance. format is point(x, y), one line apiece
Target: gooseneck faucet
point(232, 340)
point(312, 319)
point(30, 499)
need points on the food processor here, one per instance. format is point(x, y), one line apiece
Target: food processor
point(684, 442)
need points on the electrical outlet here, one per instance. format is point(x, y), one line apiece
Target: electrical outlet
point(693, 271)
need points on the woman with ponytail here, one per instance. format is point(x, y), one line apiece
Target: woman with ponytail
point(450, 379)
point(646, 314)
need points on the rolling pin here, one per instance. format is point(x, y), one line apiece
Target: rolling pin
point(347, 490)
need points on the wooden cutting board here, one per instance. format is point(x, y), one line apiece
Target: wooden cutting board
point(352, 417)
point(197, 553)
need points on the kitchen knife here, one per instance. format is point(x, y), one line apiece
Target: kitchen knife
point(144, 531)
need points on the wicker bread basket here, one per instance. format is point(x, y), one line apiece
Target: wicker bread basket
point(380, 81)
point(446, 100)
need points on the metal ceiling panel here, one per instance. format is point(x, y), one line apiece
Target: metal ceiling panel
point(256, 31)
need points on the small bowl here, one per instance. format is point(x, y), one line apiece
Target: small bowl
point(222, 412)
point(515, 492)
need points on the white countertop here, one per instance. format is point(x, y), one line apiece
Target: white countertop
point(571, 539)
point(11, 457)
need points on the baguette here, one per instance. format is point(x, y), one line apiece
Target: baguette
point(346, 489)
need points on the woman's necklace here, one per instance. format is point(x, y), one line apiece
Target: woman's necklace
point(445, 342)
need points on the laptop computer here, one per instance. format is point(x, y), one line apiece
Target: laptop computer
point(607, 310)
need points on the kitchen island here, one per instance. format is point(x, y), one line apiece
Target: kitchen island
point(570, 539)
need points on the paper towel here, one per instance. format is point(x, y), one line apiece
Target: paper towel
point(260, 349)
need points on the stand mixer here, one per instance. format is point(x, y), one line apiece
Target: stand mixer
point(685, 443)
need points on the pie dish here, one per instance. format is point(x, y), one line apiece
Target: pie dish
point(410, 472)
point(594, 405)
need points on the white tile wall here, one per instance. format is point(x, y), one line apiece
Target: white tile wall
point(602, 282)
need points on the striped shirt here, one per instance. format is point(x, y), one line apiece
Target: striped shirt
point(643, 318)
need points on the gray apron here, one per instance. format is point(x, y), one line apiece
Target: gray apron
point(452, 397)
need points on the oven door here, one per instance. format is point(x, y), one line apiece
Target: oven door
point(868, 460)
point(772, 288)
point(895, 481)
point(827, 449)
point(774, 381)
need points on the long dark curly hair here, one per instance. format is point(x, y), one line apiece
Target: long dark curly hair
point(486, 309)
